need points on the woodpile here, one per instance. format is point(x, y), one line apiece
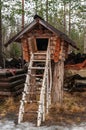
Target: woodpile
point(75, 83)
point(11, 82)
point(75, 68)
point(75, 58)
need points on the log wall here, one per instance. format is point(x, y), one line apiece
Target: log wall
point(40, 32)
point(12, 83)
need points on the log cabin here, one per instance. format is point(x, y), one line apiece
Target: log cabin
point(39, 37)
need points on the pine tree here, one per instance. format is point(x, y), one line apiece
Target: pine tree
point(1, 55)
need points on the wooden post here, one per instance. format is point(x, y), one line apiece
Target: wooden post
point(58, 78)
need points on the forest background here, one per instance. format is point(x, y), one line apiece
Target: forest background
point(69, 16)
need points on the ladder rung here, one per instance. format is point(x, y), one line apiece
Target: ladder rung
point(38, 89)
point(40, 75)
point(32, 101)
point(37, 60)
point(38, 53)
point(37, 67)
point(33, 93)
point(39, 85)
point(31, 112)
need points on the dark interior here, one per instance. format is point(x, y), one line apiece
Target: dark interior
point(42, 44)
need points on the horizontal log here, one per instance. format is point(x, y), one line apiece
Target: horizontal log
point(5, 90)
point(10, 85)
point(11, 93)
point(13, 78)
point(80, 82)
point(16, 88)
point(17, 93)
point(5, 93)
point(10, 72)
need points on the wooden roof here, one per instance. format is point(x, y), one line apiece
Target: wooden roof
point(38, 19)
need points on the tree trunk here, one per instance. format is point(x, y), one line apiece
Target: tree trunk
point(58, 82)
point(1, 57)
point(64, 17)
point(58, 77)
point(69, 18)
point(47, 10)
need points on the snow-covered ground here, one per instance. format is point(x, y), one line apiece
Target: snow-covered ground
point(10, 125)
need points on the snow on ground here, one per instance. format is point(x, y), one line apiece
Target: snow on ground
point(10, 125)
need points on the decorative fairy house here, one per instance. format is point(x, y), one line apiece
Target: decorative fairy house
point(40, 38)
point(35, 38)
point(37, 34)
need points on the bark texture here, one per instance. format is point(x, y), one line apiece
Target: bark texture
point(58, 82)
point(1, 56)
point(58, 77)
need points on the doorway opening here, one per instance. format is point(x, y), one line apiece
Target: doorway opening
point(42, 44)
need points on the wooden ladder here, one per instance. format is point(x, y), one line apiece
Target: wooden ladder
point(36, 97)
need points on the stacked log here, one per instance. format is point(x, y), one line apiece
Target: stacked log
point(12, 82)
point(75, 83)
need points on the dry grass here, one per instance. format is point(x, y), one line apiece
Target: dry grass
point(73, 104)
point(73, 110)
point(8, 106)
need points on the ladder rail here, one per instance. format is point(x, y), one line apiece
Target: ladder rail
point(50, 71)
point(49, 81)
point(41, 110)
point(26, 90)
point(45, 91)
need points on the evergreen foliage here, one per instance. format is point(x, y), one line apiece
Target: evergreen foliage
point(66, 15)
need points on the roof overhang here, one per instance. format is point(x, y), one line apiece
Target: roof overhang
point(39, 20)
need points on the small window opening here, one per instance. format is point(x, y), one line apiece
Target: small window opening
point(42, 44)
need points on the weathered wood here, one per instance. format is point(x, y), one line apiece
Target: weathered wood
point(32, 44)
point(12, 78)
point(58, 77)
point(11, 83)
point(25, 48)
point(58, 82)
point(75, 83)
point(57, 50)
